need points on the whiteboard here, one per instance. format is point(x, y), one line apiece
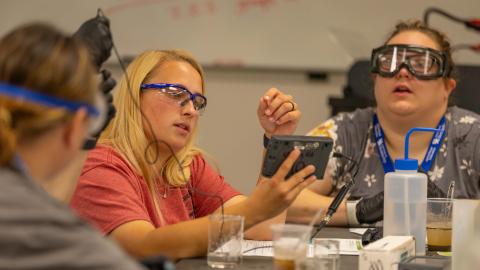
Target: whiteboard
point(311, 35)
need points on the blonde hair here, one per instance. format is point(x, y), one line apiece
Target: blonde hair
point(40, 58)
point(127, 134)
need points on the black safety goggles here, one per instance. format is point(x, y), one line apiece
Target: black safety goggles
point(423, 63)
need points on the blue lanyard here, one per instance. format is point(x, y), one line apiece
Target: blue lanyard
point(429, 156)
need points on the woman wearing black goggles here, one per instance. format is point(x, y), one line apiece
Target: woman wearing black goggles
point(423, 62)
point(412, 74)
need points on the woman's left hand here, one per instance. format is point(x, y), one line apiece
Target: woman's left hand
point(278, 113)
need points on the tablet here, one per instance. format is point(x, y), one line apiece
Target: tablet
point(315, 150)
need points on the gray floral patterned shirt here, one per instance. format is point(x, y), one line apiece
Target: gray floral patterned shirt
point(458, 158)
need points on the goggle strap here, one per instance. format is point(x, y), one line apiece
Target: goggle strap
point(22, 93)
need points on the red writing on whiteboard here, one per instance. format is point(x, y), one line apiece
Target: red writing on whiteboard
point(193, 10)
point(246, 5)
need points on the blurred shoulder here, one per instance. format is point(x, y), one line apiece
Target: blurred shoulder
point(24, 201)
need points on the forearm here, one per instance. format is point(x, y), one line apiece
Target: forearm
point(182, 240)
point(308, 203)
point(262, 231)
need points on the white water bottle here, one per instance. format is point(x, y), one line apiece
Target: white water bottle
point(405, 201)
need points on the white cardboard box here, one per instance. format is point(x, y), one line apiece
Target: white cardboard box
point(386, 253)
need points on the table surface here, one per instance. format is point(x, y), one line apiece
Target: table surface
point(250, 262)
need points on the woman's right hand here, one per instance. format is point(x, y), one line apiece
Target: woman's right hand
point(278, 113)
point(273, 195)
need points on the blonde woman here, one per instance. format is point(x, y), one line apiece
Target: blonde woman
point(132, 186)
point(47, 87)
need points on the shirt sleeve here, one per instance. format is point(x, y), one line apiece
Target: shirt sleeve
point(476, 158)
point(473, 188)
point(108, 193)
point(332, 128)
point(210, 190)
point(350, 133)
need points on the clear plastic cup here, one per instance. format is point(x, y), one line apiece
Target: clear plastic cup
point(290, 242)
point(326, 254)
point(225, 236)
point(439, 224)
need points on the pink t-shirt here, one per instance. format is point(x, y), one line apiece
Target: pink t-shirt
point(110, 193)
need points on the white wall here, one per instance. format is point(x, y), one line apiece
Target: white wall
point(293, 34)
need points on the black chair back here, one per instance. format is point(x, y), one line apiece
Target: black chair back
point(358, 93)
point(467, 93)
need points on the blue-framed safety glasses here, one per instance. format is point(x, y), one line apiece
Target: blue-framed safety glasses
point(422, 62)
point(179, 94)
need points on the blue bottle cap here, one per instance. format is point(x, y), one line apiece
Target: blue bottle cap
point(406, 164)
